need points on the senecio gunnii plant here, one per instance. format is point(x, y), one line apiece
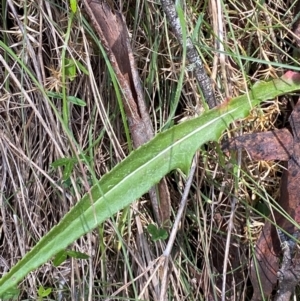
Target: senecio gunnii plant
point(167, 151)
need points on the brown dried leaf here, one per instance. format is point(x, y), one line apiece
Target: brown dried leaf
point(264, 266)
point(273, 145)
point(114, 37)
point(290, 188)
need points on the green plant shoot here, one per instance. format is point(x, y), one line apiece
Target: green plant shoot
point(144, 167)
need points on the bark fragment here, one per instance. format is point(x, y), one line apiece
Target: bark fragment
point(113, 34)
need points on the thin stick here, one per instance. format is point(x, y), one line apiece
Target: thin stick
point(289, 273)
point(181, 209)
point(170, 244)
point(192, 54)
point(230, 226)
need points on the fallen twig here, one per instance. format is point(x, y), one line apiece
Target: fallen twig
point(289, 273)
point(192, 54)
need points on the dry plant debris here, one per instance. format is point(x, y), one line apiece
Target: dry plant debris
point(281, 145)
point(33, 196)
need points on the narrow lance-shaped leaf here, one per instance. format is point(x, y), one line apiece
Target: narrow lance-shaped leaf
point(141, 170)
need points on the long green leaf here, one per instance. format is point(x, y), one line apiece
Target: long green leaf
point(141, 170)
